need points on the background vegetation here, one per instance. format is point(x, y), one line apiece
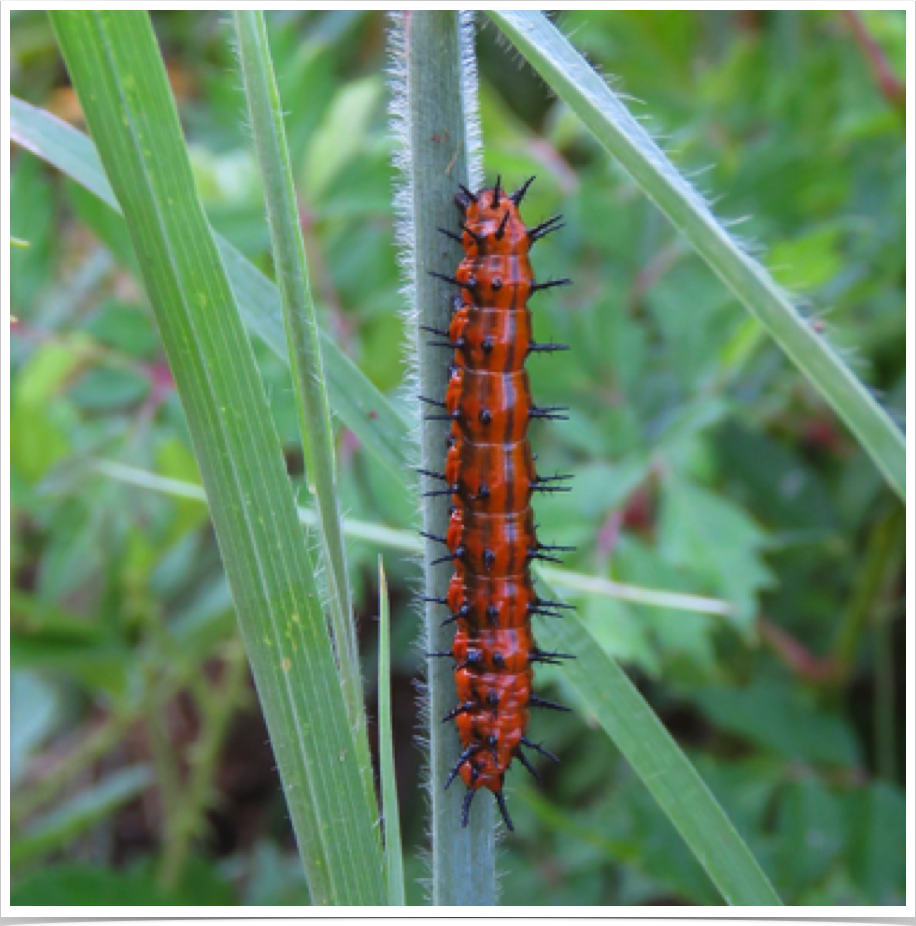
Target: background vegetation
point(705, 464)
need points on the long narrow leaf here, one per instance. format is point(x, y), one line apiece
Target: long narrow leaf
point(408, 541)
point(118, 73)
point(656, 758)
point(266, 119)
point(391, 814)
point(601, 110)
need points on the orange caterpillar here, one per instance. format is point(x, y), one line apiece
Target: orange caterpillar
point(490, 476)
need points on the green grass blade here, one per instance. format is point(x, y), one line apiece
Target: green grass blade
point(408, 541)
point(391, 814)
point(266, 119)
point(602, 111)
point(429, 105)
point(656, 758)
point(118, 73)
point(355, 401)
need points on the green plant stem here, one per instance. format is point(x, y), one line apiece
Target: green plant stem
point(431, 110)
point(879, 565)
point(161, 671)
point(215, 712)
point(884, 712)
point(872, 608)
point(165, 759)
point(603, 113)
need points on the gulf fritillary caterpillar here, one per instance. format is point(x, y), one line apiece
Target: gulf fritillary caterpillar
point(490, 477)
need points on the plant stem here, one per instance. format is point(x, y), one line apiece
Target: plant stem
point(879, 564)
point(215, 711)
point(891, 86)
point(431, 109)
point(885, 732)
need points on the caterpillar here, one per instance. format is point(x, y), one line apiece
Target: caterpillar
point(490, 477)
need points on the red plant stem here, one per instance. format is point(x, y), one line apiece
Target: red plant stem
point(797, 656)
point(892, 88)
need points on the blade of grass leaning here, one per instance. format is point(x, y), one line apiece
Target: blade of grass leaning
point(393, 539)
point(433, 109)
point(265, 115)
point(118, 73)
point(354, 399)
point(569, 75)
point(664, 769)
point(391, 814)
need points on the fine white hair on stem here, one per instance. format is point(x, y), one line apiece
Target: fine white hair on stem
point(404, 234)
point(470, 97)
point(434, 117)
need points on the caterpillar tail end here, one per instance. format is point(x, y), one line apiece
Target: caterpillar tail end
point(500, 803)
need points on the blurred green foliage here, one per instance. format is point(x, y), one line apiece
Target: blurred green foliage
point(705, 464)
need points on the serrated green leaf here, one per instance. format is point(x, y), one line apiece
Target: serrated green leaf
point(711, 539)
point(781, 720)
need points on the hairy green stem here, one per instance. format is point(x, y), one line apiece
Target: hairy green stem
point(431, 111)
